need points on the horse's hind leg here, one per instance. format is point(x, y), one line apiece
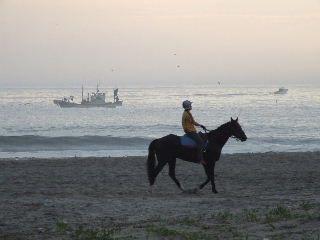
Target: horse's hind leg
point(172, 172)
point(161, 163)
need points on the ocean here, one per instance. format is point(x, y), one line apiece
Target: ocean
point(32, 126)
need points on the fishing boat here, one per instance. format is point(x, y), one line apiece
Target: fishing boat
point(94, 99)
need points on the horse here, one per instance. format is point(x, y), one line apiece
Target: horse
point(167, 149)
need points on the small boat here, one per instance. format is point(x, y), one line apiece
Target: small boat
point(281, 90)
point(95, 99)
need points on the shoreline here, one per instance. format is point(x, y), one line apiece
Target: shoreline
point(145, 156)
point(261, 195)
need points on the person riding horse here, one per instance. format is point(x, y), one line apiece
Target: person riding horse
point(167, 149)
point(188, 125)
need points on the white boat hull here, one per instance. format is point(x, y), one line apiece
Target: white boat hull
point(64, 104)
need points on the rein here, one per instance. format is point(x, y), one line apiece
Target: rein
point(207, 131)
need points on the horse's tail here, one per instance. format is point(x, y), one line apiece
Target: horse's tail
point(151, 162)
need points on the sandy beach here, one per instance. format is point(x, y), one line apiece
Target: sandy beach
point(261, 196)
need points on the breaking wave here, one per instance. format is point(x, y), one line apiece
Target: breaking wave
point(41, 143)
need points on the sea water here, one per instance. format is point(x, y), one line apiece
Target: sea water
point(31, 125)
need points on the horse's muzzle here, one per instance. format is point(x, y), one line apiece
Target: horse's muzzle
point(243, 139)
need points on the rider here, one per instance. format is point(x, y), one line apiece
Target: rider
point(188, 124)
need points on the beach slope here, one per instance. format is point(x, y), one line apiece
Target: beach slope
point(265, 195)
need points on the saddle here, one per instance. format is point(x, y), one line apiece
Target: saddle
point(189, 142)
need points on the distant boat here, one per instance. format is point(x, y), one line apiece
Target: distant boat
point(281, 90)
point(95, 99)
point(116, 100)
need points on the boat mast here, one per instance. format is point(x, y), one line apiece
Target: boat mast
point(82, 93)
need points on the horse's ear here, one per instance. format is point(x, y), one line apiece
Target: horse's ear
point(237, 119)
point(232, 119)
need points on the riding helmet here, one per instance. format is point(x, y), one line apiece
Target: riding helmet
point(187, 105)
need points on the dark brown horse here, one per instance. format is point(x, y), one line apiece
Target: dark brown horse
point(167, 149)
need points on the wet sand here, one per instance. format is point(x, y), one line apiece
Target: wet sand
point(265, 195)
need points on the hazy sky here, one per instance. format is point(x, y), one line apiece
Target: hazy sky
point(53, 43)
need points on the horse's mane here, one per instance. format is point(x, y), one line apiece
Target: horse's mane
point(219, 129)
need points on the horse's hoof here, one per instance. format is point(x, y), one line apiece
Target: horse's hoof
point(214, 191)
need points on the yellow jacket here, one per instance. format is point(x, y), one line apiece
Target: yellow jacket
point(188, 123)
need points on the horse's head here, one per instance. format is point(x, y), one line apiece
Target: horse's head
point(236, 130)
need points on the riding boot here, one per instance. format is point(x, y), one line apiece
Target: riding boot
point(200, 157)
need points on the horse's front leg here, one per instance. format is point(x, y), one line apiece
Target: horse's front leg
point(213, 185)
point(206, 169)
point(202, 185)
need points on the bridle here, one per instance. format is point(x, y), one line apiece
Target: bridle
point(236, 138)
